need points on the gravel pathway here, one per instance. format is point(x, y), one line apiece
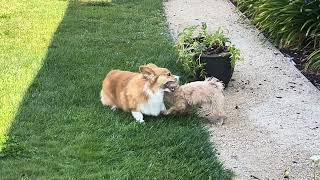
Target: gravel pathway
point(273, 111)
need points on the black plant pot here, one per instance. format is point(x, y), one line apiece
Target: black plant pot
point(218, 66)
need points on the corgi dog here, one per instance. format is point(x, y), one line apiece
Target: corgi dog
point(137, 92)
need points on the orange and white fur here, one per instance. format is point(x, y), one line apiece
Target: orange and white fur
point(199, 93)
point(138, 93)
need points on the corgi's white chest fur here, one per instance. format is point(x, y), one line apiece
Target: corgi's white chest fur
point(154, 105)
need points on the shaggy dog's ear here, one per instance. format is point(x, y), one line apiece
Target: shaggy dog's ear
point(146, 70)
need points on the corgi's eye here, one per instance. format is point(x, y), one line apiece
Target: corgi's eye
point(169, 74)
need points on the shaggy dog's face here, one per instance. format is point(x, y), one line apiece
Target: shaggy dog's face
point(172, 85)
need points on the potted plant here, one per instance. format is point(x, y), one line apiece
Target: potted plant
point(207, 54)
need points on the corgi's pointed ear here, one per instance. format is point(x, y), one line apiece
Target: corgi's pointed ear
point(146, 70)
point(152, 65)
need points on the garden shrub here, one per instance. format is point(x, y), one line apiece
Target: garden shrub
point(293, 24)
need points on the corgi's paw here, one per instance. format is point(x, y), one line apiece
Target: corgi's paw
point(114, 108)
point(138, 116)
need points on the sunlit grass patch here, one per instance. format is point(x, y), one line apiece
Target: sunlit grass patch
point(25, 34)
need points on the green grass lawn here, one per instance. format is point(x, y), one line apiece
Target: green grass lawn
point(55, 125)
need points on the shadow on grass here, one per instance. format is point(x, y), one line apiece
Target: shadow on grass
point(62, 130)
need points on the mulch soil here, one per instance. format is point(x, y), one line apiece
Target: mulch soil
point(299, 58)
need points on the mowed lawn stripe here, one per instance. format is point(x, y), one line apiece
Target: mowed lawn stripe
point(63, 132)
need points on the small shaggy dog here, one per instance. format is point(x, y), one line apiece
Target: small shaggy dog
point(199, 93)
